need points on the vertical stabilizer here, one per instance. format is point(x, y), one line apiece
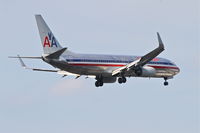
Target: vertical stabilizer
point(48, 40)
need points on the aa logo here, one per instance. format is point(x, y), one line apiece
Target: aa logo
point(49, 41)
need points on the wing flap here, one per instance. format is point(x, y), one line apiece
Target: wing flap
point(125, 68)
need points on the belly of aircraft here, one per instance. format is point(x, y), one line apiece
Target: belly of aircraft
point(107, 71)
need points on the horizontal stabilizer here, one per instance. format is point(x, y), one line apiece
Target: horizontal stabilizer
point(28, 57)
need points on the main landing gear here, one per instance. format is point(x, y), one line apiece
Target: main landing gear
point(99, 81)
point(121, 80)
point(165, 83)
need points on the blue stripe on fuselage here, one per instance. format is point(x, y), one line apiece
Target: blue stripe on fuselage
point(124, 59)
point(115, 61)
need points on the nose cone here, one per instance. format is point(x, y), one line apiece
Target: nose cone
point(176, 70)
point(173, 68)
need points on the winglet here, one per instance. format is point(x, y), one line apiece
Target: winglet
point(21, 62)
point(34, 69)
point(161, 45)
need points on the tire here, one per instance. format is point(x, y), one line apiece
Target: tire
point(100, 83)
point(124, 80)
point(97, 83)
point(120, 80)
point(166, 83)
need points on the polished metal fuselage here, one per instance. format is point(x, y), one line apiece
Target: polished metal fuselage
point(94, 64)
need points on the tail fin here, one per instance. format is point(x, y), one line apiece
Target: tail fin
point(48, 40)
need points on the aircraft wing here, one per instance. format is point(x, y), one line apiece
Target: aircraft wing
point(34, 69)
point(61, 72)
point(143, 60)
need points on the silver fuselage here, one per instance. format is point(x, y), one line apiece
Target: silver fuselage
point(94, 64)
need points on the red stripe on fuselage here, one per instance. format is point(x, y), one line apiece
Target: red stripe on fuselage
point(121, 65)
point(164, 67)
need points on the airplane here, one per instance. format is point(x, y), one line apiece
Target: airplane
point(103, 68)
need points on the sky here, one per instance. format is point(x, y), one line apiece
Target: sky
point(44, 102)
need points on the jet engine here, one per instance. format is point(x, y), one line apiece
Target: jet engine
point(145, 71)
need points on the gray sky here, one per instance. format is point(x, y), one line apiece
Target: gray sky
point(44, 102)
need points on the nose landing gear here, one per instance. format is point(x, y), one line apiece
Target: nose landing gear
point(166, 83)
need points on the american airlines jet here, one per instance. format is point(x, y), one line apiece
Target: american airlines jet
point(104, 68)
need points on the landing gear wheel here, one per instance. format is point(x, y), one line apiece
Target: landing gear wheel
point(98, 83)
point(124, 79)
point(166, 83)
point(120, 80)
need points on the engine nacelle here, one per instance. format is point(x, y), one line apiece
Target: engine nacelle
point(109, 79)
point(148, 71)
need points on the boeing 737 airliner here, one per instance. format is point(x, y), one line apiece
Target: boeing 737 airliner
point(104, 68)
